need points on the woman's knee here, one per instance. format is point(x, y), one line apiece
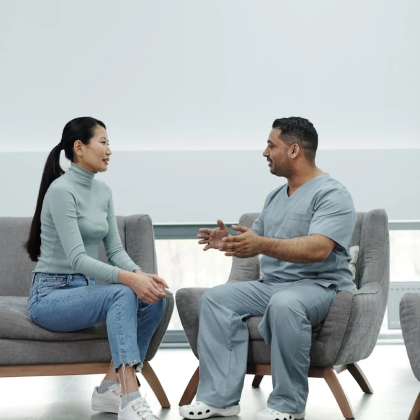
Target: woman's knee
point(124, 293)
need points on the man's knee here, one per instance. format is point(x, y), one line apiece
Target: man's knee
point(282, 306)
point(210, 296)
point(216, 297)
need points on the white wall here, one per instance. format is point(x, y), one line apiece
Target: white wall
point(201, 186)
point(189, 89)
point(210, 75)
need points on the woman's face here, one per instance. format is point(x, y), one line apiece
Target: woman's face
point(94, 157)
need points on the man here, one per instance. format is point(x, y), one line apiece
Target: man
point(303, 234)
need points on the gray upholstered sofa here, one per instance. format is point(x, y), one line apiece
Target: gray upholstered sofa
point(28, 350)
point(347, 335)
point(410, 325)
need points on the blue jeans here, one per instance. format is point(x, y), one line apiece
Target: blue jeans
point(71, 302)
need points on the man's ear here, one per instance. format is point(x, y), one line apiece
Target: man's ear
point(295, 150)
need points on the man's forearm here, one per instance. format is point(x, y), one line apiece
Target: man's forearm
point(304, 249)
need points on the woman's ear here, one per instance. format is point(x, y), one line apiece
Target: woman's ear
point(78, 149)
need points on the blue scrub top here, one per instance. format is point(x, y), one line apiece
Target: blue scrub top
point(321, 205)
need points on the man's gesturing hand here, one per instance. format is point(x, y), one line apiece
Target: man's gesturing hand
point(246, 244)
point(212, 238)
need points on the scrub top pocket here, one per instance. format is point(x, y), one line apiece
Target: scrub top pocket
point(297, 224)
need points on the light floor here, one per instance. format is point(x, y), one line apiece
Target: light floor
point(68, 397)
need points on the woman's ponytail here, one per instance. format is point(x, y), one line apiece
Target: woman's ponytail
point(82, 129)
point(52, 171)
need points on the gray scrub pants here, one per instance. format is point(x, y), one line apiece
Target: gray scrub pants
point(289, 311)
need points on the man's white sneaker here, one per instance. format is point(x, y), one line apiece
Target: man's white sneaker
point(200, 410)
point(270, 414)
point(109, 401)
point(136, 410)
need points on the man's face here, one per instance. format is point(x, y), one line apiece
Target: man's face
point(276, 153)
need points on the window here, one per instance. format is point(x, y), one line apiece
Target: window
point(183, 263)
point(405, 255)
point(404, 239)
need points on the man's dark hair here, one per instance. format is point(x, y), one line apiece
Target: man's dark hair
point(301, 131)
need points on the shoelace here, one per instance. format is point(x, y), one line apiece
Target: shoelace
point(143, 409)
point(116, 390)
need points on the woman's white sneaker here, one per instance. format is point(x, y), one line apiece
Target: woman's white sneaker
point(137, 409)
point(270, 414)
point(200, 410)
point(109, 401)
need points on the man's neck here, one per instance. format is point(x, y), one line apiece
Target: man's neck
point(302, 177)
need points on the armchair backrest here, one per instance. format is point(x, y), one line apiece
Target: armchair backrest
point(371, 234)
point(136, 234)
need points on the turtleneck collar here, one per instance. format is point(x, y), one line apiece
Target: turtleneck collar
point(80, 174)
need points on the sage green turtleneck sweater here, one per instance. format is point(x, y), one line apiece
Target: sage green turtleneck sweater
point(77, 214)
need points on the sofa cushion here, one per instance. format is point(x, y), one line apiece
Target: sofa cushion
point(15, 324)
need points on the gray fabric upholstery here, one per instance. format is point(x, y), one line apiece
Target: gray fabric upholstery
point(23, 342)
point(350, 331)
point(161, 329)
point(15, 265)
point(244, 269)
point(410, 325)
point(30, 352)
point(16, 325)
point(187, 304)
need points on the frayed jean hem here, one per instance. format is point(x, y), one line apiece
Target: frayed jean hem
point(138, 366)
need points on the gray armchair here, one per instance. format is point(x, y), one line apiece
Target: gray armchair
point(347, 335)
point(28, 350)
point(410, 325)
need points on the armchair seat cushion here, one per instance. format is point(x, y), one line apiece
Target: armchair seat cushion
point(16, 325)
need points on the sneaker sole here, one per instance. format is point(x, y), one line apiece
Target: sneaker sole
point(105, 408)
point(265, 417)
point(224, 412)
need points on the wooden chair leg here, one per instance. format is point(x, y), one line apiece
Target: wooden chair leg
point(151, 378)
point(338, 392)
point(415, 412)
point(257, 380)
point(191, 389)
point(360, 377)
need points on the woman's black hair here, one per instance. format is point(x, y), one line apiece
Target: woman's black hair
point(82, 129)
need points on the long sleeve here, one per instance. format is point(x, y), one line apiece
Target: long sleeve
point(115, 251)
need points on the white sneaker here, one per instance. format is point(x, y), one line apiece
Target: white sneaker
point(200, 410)
point(109, 401)
point(270, 414)
point(136, 410)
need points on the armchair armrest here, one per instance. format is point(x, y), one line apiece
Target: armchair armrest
point(162, 327)
point(351, 328)
point(410, 325)
point(187, 301)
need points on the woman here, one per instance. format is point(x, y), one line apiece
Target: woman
point(74, 213)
